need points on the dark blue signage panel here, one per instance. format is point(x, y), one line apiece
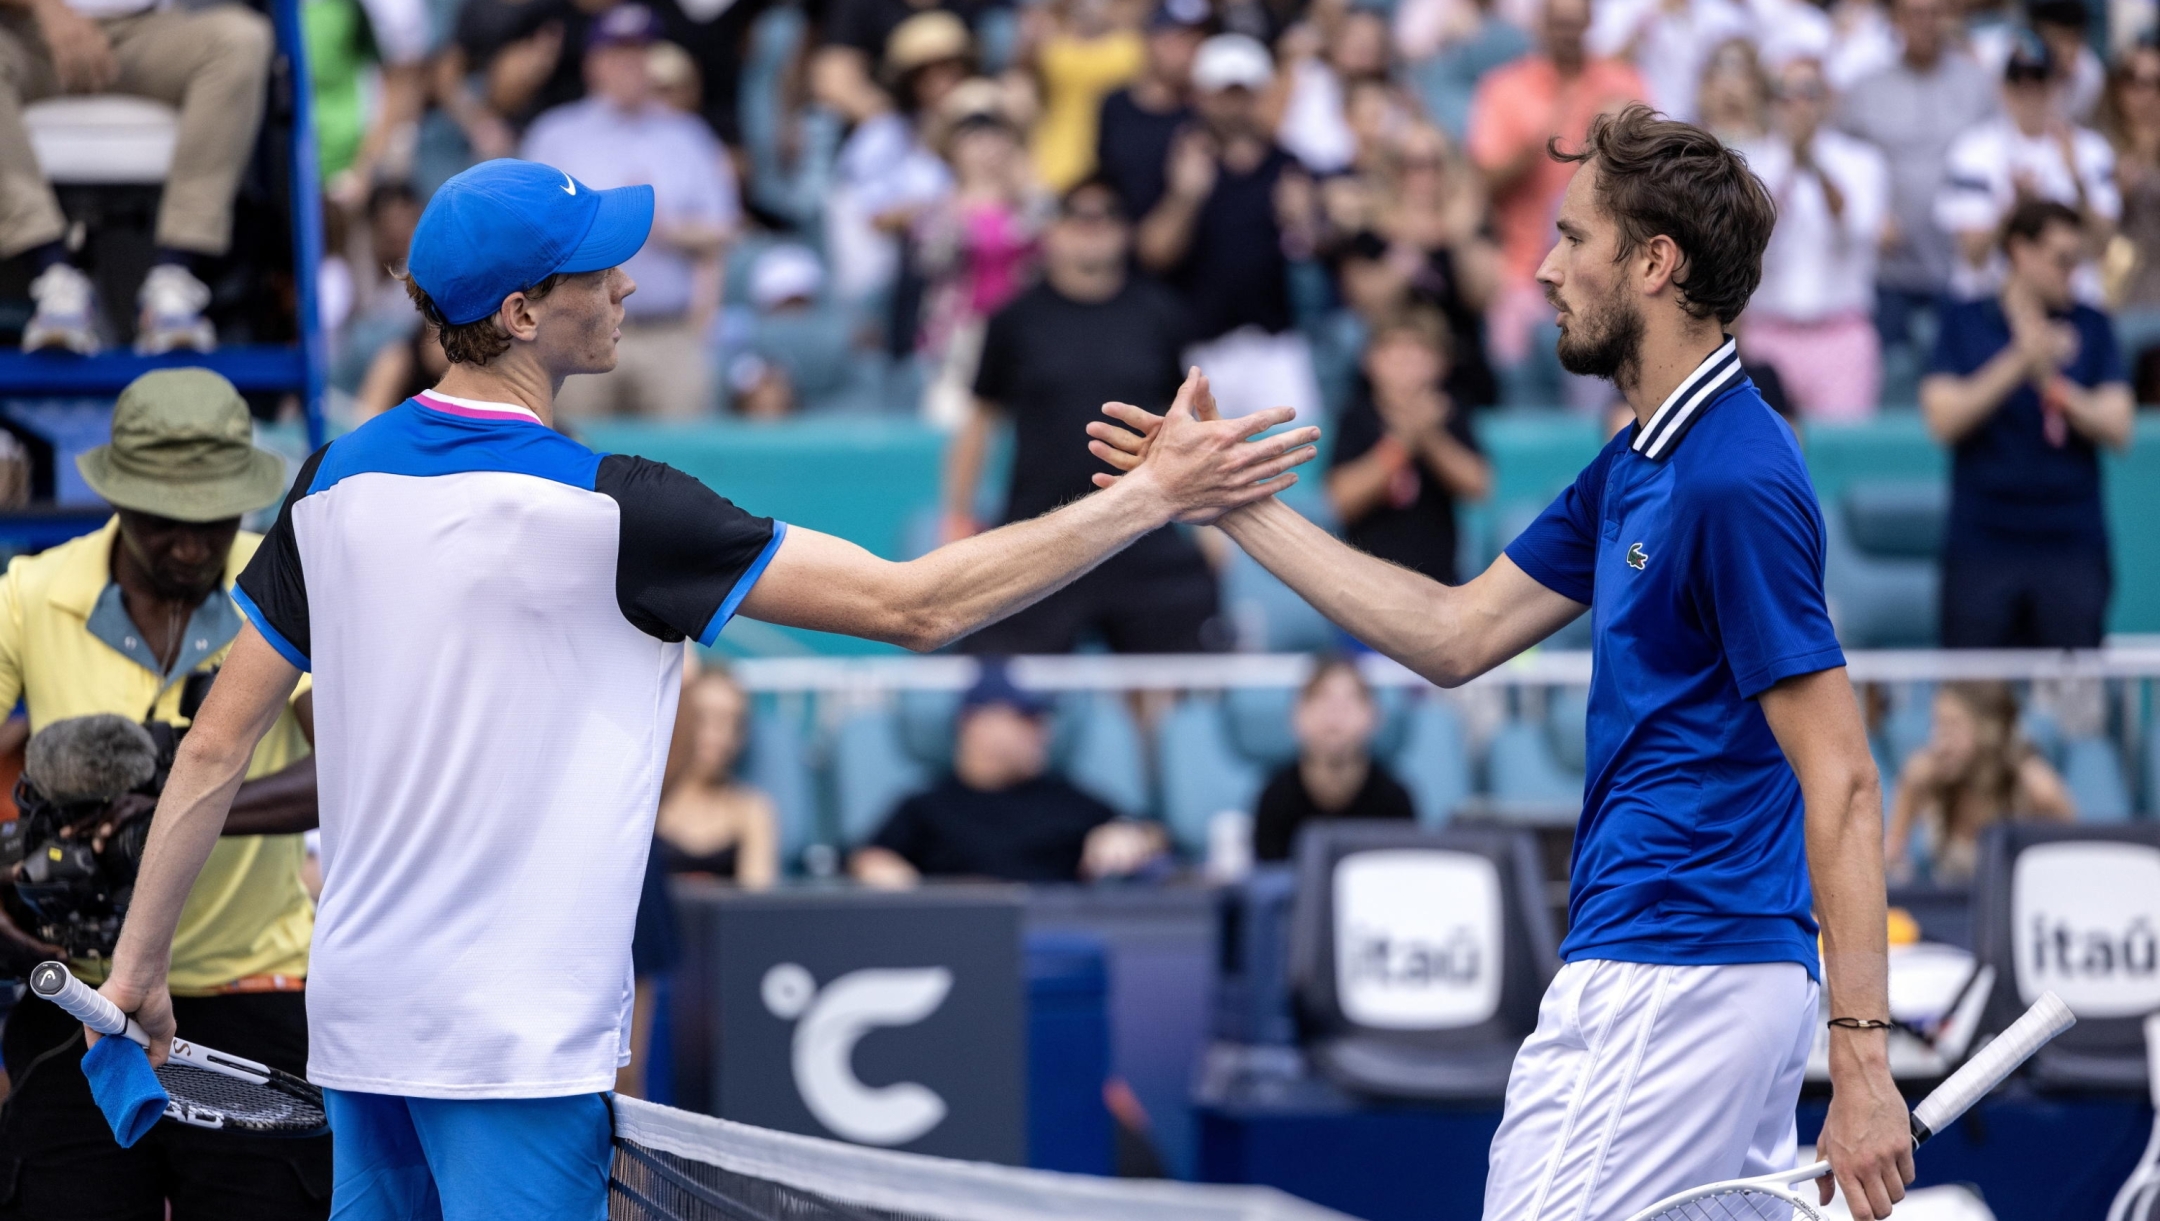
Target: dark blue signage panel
point(892, 1020)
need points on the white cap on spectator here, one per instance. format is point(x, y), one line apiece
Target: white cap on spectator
point(783, 274)
point(1232, 61)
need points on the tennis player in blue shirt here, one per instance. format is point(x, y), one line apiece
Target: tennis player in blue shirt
point(1730, 800)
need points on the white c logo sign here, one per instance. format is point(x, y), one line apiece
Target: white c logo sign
point(833, 1021)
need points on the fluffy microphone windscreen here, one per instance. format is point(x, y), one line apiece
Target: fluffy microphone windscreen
point(90, 758)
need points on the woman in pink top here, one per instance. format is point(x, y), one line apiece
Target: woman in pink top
point(977, 248)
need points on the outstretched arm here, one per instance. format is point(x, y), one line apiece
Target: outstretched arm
point(1449, 635)
point(1199, 469)
point(1866, 1137)
point(245, 701)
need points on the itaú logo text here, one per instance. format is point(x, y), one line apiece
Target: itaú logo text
point(828, 1024)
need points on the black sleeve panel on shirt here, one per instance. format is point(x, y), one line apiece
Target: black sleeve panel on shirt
point(684, 546)
point(274, 584)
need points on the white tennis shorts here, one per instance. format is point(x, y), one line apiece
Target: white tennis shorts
point(1645, 1080)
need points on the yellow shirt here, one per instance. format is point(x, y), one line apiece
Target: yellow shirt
point(248, 914)
point(1077, 74)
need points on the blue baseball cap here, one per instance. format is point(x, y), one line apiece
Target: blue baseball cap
point(506, 225)
point(995, 687)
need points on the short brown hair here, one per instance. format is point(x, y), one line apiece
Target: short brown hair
point(1658, 176)
point(1421, 322)
point(2034, 217)
point(476, 342)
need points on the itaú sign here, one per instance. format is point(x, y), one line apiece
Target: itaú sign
point(2085, 920)
point(1417, 938)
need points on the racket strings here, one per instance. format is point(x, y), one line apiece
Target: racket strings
point(1739, 1204)
point(258, 1107)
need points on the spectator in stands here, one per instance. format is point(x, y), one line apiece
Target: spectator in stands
point(1335, 776)
point(1552, 93)
point(507, 62)
point(1734, 101)
point(2062, 25)
point(1811, 318)
point(2130, 118)
point(1670, 42)
point(857, 38)
point(887, 173)
point(367, 63)
point(1975, 771)
point(796, 352)
point(1914, 110)
point(1449, 46)
point(2029, 152)
point(1223, 233)
point(1862, 42)
point(1327, 57)
point(618, 135)
point(1001, 813)
point(1088, 334)
point(710, 821)
point(1133, 136)
point(1085, 50)
point(1417, 236)
point(976, 247)
point(213, 63)
point(2026, 386)
point(1405, 451)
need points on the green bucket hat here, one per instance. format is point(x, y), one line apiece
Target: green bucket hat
point(182, 447)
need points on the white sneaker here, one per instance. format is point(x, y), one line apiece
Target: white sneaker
point(66, 312)
point(172, 303)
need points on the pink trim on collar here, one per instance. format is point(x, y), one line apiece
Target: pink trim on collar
point(471, 409)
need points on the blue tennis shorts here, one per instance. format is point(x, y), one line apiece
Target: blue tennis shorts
point(465, 1159)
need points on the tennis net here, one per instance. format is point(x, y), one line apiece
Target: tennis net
point(672, 1165)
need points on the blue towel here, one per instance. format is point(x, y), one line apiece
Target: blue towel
point(125, 1086)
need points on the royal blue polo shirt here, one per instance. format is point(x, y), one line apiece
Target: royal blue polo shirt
point(2014, 482)
point(1698, 544)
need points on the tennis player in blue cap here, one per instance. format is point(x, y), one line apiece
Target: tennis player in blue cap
point(496, 617)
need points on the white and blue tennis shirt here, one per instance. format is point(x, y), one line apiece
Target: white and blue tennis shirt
point(1698, 544)
point(495, 618)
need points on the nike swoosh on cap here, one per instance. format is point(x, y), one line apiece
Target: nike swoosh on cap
point(569, 185)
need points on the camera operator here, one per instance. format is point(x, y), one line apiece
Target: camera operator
point(132, 620)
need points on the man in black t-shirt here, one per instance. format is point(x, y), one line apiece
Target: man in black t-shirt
point(1335, 775)
point(1132, 138)
point(1000, 813)
point(1404, 450)
point(1089, 334)
point(1234, 206)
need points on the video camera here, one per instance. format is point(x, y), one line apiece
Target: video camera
point(88, 789)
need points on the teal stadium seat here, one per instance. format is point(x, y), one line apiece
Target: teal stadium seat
point(1269, 617)
point(1884, 537)
point(1522, 768)
point(1433, 761)
point(776, 761)
point(1098, 748)
point(1202, 772)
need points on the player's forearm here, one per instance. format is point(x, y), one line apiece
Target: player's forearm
point(1401, 613)
point(190, 816)
point(1845, 860)
point(978, 580)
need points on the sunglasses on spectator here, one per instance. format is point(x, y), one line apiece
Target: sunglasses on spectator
point(1804, 93)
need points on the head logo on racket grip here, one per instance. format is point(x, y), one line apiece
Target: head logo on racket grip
point(828, 1025)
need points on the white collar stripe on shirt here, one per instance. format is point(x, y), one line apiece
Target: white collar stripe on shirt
point(1717, 373)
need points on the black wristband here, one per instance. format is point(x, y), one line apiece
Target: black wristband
point(1853, 1023)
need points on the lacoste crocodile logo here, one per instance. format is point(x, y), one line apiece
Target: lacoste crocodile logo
point(1637, 557)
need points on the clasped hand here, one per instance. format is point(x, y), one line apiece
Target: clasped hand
point(1205, 465)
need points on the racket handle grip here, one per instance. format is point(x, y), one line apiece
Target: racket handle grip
point(54, 982)
point(2047, 1018)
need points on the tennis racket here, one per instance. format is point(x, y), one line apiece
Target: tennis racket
point(2139, 1199)
point(204, 1088)
point(1771, 1197)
